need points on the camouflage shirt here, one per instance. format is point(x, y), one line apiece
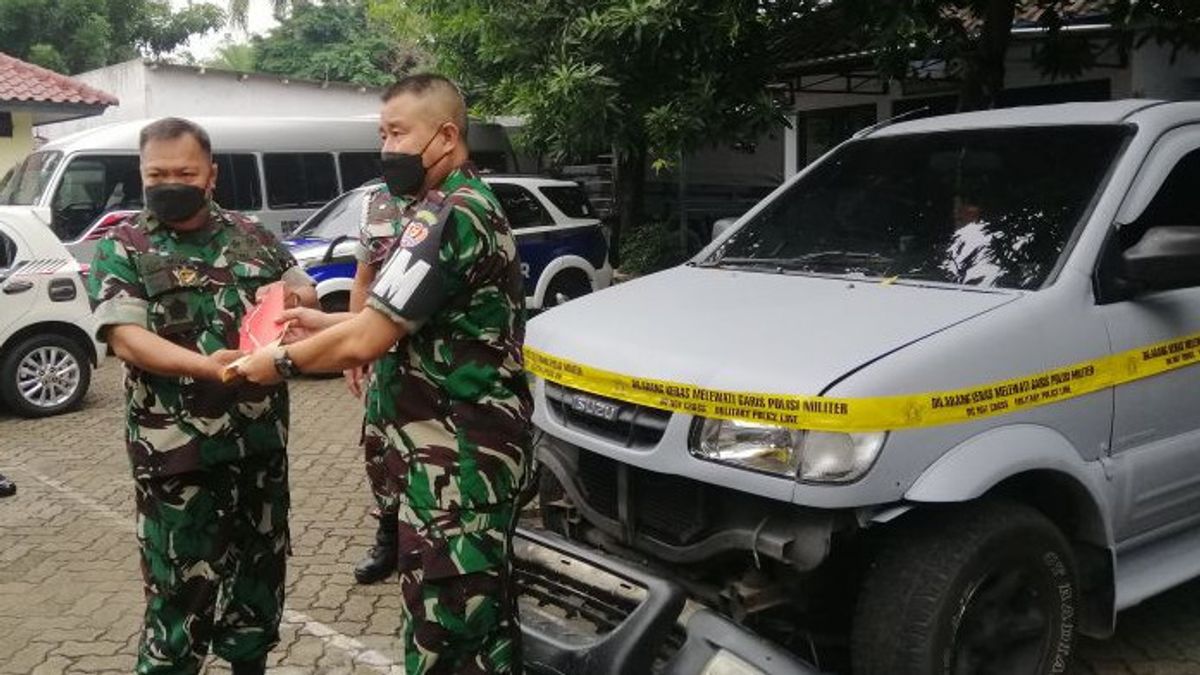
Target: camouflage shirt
point(381, 223)
point(460, 403)
point(192, 289)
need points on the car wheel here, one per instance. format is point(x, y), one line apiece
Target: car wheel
point(989, 588)
point(44, 375)
point(564, 287)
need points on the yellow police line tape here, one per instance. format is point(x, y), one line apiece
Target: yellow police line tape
point(908, 411)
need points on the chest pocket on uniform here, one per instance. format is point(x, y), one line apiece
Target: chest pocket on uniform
point(251, 264)
point(174, 285)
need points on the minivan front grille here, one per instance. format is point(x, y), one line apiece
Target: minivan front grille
point(632, 426)
point(669, 508)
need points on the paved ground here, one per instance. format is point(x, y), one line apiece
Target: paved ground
point(70, 595)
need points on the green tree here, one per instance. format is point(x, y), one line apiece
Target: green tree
point(332, 41)
point(72, 36)
point(241, 57)
point(973, 36)
point(648, 79)
point(239, 10)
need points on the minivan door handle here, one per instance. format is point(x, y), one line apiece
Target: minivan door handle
point(17, 286)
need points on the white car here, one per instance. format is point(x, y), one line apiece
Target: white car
point(47, 348)
point(561, 242)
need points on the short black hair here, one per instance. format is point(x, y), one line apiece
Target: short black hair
point(170, 128)
point(424, 83)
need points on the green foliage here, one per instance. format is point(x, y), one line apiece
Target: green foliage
point(239, 10)
point(973, 35)
point(649, 248)
point(663, 75)
point(72, 36)
point(332, 41)
point(241, 57)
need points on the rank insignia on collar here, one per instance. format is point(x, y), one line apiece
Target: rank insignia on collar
point(186, 276)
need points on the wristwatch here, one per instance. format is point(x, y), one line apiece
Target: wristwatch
point(284, 364)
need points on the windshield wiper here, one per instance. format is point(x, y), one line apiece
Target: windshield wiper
point(821, 258)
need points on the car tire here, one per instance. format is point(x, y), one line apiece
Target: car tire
point(986, 588)
point(44, 375)
point(564, 287)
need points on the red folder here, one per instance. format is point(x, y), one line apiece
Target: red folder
point(260, 326)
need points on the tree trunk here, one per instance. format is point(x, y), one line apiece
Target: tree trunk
point(983, 77)
point(631, 196)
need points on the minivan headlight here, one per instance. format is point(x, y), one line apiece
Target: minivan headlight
point(822, 456)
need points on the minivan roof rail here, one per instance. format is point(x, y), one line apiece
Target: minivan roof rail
point(889, 122)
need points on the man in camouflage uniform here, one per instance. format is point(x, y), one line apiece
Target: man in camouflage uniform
point(457, 411)
point(381, 224)
point(170, 286)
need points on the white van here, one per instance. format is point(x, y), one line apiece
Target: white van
point(278, 169)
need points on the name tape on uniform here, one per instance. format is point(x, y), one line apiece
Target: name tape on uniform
point(907, 411)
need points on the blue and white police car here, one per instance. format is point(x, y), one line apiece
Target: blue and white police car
point(562, 244)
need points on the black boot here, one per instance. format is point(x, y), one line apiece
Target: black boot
point(255, 667)
point(7, 487)
point(380, 562)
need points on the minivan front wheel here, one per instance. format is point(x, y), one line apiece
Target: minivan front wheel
point(44, 375)
point(980, 589)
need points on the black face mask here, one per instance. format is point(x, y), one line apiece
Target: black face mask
point(175, 202)
point(404, 172)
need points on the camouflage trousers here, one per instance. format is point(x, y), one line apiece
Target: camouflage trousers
point(385, 486)
point(459, 611)
point(214, 546)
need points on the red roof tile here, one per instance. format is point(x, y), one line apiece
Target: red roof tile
point(21, 81)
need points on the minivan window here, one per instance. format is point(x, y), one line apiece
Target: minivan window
point(520, 206)
point(90, 186)
point(570, 199)
point(29, 179)
point(238, 186)
point(987, 208)
point(359, 168)
point(340, 218)
point(299, 180)
point(8, 252)
point(1177, 202)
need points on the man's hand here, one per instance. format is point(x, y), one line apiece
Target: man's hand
point(226, 356)
point(355, 378)
point(304, 322)
point(259, 367)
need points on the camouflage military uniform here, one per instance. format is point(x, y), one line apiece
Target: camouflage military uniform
point(381, 224)
point(209, 461)
point(457, 423)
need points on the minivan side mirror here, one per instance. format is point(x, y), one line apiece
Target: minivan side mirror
point(1166, 258)
point(329, 252)
point(721, 226)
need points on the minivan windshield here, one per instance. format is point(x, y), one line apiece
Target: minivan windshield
point(339, 218)
point(992, 208)
point(29, 179)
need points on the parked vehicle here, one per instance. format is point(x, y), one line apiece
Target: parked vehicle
point(932, 399)
point(563, 249)
point(278, 169)
point(47, 348)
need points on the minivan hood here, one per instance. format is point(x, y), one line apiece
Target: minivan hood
point(750, 331)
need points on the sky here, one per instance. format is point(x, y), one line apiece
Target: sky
point(259, 21)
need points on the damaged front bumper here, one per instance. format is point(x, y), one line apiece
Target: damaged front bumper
point(585, 613)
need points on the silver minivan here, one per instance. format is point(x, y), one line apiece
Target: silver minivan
point(930, 407)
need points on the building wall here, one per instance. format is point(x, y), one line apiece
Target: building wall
point(151, 91)
point(13, 150)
